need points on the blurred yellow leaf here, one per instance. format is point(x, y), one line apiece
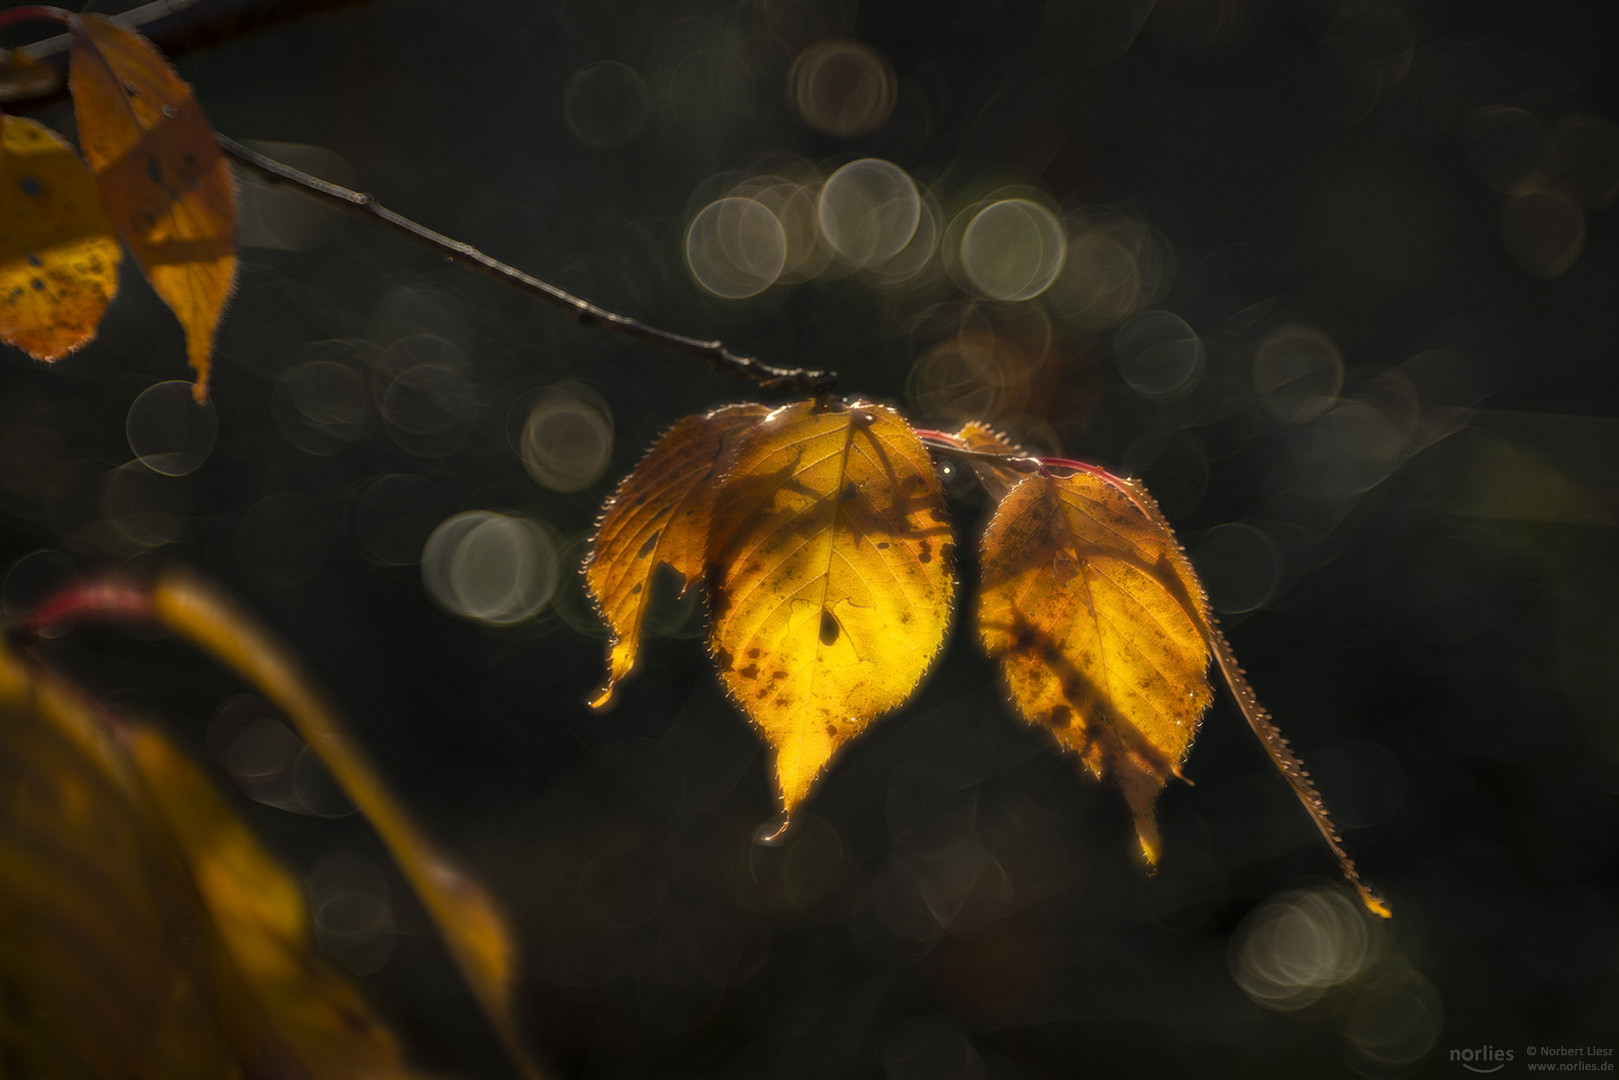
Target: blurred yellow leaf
point(1098, 621)
point(146, 932)
point(163, 180)
point(58, 253)
point(466, 917)
point(659, 514)
point(276, 999)
point(831, 570)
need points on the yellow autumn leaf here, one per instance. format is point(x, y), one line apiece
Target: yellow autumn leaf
point(1098, 624)
point(658, 515)
point(148, 934)
point(58, 253)
point(277, 1000)
point(163, 180)
point(467, 918)
point(831, 576)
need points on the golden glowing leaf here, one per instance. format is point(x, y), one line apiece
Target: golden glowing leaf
point(831, 576)
point(147, 933)
point(163, 180)
point(58, 253)
point(1098, 623)
point(659, 514)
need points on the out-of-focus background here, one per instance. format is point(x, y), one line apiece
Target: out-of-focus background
point(1338, 280)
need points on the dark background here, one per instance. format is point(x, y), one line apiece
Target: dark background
point(1380, 410)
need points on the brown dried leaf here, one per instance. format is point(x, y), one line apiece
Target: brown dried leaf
point(163, 180)
point(831, 578)
point(658, 515)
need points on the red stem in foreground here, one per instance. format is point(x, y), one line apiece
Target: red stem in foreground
point(99, 598)
point(35, 13)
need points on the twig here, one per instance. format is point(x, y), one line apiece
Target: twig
point(721, 358)
point(175, 26)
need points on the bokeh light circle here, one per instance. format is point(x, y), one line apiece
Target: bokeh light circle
point(1013, 249)
point(868, 211)
point(1293, 950)
point(842, 88)
point(1240, 565)
point(490, 567)
point(606, 104)
point(168, 431)
point(1158, 354)
point(736, 248)
point(1544, 232)
point(1298, 373)
point(567, 441)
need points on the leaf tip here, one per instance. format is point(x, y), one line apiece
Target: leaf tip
point(772, 833)
point(1374, 903)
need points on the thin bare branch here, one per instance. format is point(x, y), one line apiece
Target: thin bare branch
point(798, 380)
point(38, 75)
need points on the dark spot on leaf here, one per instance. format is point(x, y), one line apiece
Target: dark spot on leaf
point(635, 590)
point(750, 672)
point(39, 286)
point(782, 702)
point(723, 658)
point(831, 731)
point(16, 293)
point(1061, 716)
point(850, 491)
point(31, 186)
point(777, 676)
point(924, 552)
point(154, 170)
point(34, 260)
point(753, 653)
point(650, 545)
point(882, 545)
point(829, 628)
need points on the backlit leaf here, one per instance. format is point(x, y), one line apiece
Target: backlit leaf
point(163, 180)
point(831, 576)
point(658, 515)
point(997, 478)
point(58, 252)
point(1098, 623)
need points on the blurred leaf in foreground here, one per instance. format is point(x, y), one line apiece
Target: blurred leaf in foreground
point(146, 933)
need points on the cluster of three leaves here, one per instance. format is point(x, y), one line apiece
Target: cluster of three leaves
point(823, 536)
point(155, 177)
